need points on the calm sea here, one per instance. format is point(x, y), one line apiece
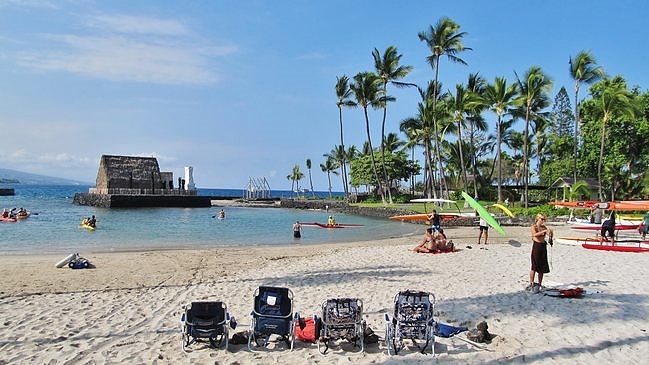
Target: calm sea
point(54, 225)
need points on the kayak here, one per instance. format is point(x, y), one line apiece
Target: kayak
point(326, 225)
point(426, 217)
point(23, 215)
point(618, 248)
point(597, 240)
point(597, 227)
point(87, 226)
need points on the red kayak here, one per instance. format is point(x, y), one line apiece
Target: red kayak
point(325, 225)
point(597, 227)
point(592, 246)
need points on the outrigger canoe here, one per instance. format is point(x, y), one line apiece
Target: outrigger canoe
point(326, 225)
point(428, 217)
point(616, 247)
point(597, 227)
point(616, 205)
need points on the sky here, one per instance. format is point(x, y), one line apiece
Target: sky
point(241, 89)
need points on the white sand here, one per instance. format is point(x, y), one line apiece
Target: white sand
point(127, 309)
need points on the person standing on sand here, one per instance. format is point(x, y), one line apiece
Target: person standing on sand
point(484, 227)
point(539, 256)
point(297, 229)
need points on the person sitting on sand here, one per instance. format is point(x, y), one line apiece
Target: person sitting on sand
point(426, 242)
point(440, 243)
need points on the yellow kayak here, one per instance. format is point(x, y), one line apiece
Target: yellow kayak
point(87, 226)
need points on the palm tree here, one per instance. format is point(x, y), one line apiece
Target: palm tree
point(460, 104)
point(366, 90)
point(308, 167)
point(337, 154)
point(343, 93)
point(295, 176)
point(475, 85)
point(442, 39)
point(614, 100)
point(500, 99)
point(534, 89)
point(582, 69)
point(329, 167)
point(388, 69)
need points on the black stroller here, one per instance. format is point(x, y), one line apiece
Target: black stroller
point(272, 315)
point(342, 319)
point(413, 320)
point(205, 320)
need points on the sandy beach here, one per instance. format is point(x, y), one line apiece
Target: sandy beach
point(127, 309)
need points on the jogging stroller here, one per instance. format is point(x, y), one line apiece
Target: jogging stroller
point(342, 319)
point(272, 315)
point(413, 320)
point(205, 320)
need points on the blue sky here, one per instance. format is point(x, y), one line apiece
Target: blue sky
point(241, 89)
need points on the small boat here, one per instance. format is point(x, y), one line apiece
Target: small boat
point(23, 215)
point(616, 247)
point(85, 225)
point(7, 219)
point(597, 227)
point(326, 225)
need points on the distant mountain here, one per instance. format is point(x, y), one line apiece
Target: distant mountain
point(13, 177)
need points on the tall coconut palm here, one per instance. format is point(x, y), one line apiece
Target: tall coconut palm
point(583, 68)
point(343, 94)
point(367, 92)
point(329, 167)
point(460, 104)
point(614, 101)
point(388, 69)
point(443, 39)
point(500, 99)
point(308, 167)
point(534, 89)
point(475, 85)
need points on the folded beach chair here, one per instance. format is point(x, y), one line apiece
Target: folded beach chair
point(342, 319)
point(272, 315)
point(412, 320)
point(203, 320)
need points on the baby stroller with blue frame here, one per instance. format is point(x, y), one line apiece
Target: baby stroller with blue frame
point(272, 315)
point(412, 320)
point(342, 319)
point(205, 320)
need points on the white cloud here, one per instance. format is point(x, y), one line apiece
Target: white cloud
point(137, 24)
point(129, 48)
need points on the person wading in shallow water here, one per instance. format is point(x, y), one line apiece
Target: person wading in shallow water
point(539, 255)
point(297, 229)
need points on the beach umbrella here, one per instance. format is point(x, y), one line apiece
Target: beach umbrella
point(483, 213)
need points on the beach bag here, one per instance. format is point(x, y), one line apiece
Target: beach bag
point(306, 330)
point(78, 263)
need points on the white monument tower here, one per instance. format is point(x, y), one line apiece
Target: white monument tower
point(189, 178)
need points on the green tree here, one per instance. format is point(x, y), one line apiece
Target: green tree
point(388, 70)
point(397, 164)
point(308, 167)
point(613, 101)
point(343, 93)
point(475, 85)
point(583, 68)
point(329, 167)
point(366, 90)
point(337, 154)
point(295, 177)
point(442, 39)
point(534, 89)
point(500, 99)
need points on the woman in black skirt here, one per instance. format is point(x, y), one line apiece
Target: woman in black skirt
point(539, 251)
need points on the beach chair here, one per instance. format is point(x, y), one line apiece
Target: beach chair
point(205, 320)
point(412, 321)
point(272, 315)
point(342, 320)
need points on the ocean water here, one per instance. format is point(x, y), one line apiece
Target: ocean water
point(54, 226)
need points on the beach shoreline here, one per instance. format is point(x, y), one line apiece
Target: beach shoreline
point(127, 309)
